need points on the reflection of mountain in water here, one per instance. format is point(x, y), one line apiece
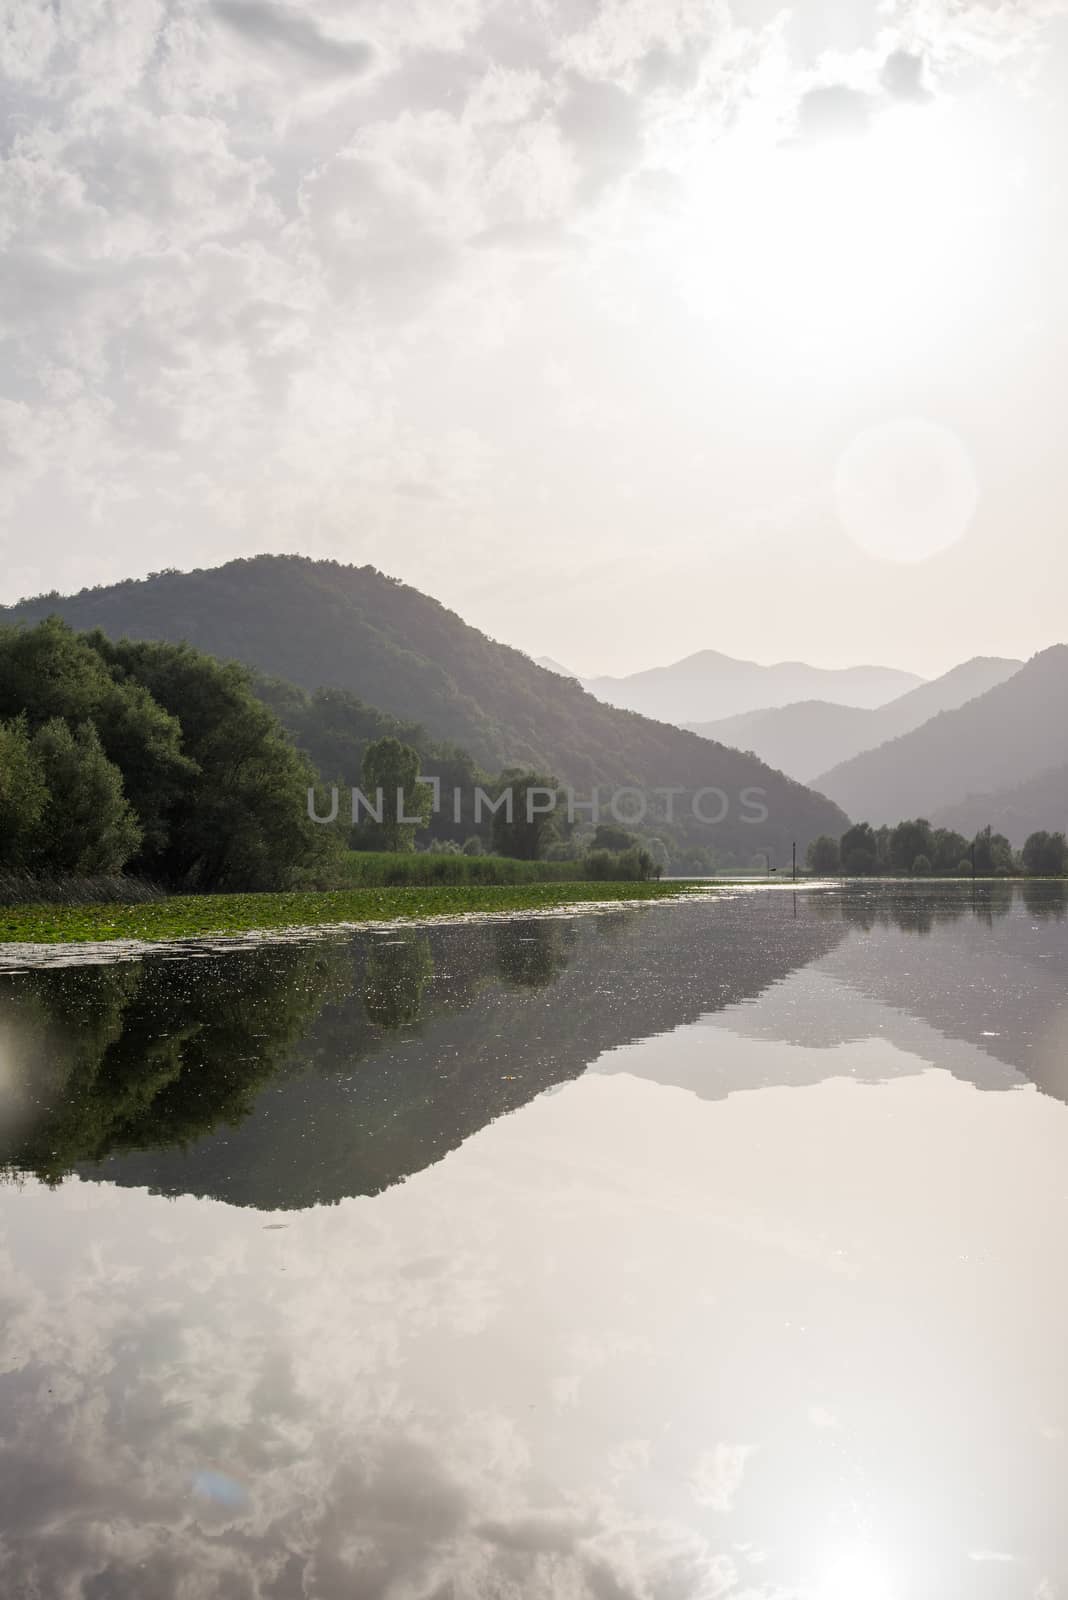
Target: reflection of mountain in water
point(288, 1076)
point(973, 982)
point(297, 1074)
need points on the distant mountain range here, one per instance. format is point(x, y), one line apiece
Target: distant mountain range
point(812, 736)
point(318, 623)
point(707, 686)
point(1013, 734)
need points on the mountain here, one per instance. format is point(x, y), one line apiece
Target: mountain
point(1010, 734)
point(1038, 804)
point(554, 666)
point(813, 735)
point(709, 685)
point(318, 623)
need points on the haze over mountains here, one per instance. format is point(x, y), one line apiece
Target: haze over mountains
point(1012, 734)
point(810, 737)
point(709, 685)
point(1016, 811)
point(322, 624)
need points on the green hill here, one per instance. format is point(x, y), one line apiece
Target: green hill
point(318, 623)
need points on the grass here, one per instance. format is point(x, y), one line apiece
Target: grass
point(189, 916)
point(381, 869)
point(23, 888)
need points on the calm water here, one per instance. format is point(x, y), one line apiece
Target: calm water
point(697, 1251)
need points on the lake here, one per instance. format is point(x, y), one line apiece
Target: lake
point(698, 1250)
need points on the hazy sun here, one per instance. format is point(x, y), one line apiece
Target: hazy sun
point(855, 1571)
point(906, 490)
point(843, 248)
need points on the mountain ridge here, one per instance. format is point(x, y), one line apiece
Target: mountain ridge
point(1015, 731)
point(709, 685)
point(322, 624)
point(810, 737)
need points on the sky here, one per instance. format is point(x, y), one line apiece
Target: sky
point(626, 328)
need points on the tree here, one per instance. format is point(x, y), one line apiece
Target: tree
point(237, 816)
point(950, 849)
point(921, 867)
point(823, 856)
point(909, 840)
point(607, 837)
point(521, 827)
point(1045, 855)
point(50, 671)
point(859, 850)
point(390, 773)
point(23, 795)
point(87, 824)
point(992, 854)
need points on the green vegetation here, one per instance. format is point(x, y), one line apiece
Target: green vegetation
point(315, 623)
point(915, 848)
point(390, 771)
point(419, 868)
point(147, 758)
point(191, 916)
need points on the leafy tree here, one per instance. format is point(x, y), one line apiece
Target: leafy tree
point(23, 795)
point(909, 840)
point(49, 671)
point(950, 849)
point(87, 824)
point(823, 856)
point(1045, 855)
point(393, 768)
point(993, 854)
point(472, 846)
point(522, 829)
point(859, 850)
point(921, 867)
point(239, 819)
point(607, 837)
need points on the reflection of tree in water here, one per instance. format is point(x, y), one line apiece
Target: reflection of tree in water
point(531, 954)
point(917, 908)
point(1049, 901)
point(397, 972)
point(148, 1054)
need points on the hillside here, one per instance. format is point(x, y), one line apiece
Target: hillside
point(1005, 737)
point(815, 735)
point(1039, 804)
point(708, 685)
point(322, 624)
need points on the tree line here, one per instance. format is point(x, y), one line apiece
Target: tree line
point(917, 848)
point(159, 761)
point(150, 758)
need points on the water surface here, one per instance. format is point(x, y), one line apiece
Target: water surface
point(698, 1250)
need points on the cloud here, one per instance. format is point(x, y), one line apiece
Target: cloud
point(833, 111)
point(274, 27)
point(902, 77)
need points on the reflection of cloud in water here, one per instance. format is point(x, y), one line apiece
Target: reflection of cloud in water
point(378, 1378)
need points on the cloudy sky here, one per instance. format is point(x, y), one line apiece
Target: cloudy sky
point(625, 327)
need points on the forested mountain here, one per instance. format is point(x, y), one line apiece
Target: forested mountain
point(322, 624)
point(812, 736)
point(710, 685)
point(1007, 736)
point(1025, 808)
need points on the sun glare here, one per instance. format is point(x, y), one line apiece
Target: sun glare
point(855, 1571)
point(843, 248)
